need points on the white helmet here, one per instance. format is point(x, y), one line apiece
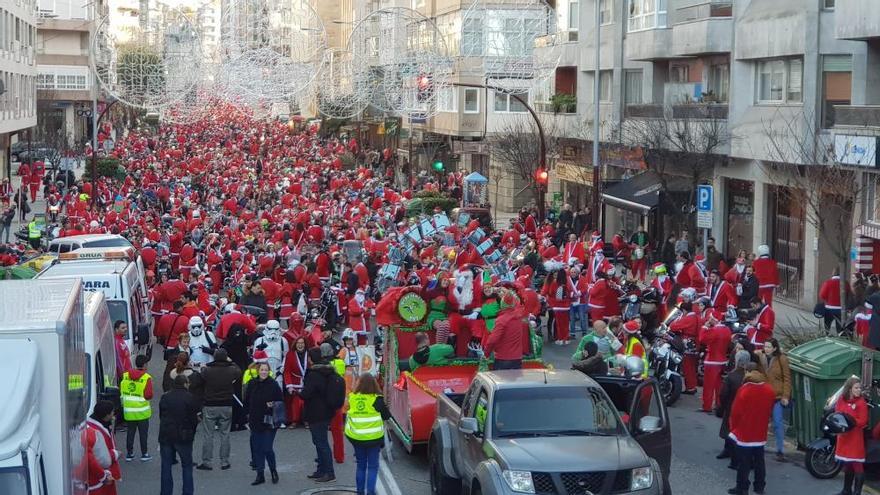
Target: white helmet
point(272, 331)
point(635, 366)
point(196, 326)
point(348, 334)
point(229, 308)
point(763, 250)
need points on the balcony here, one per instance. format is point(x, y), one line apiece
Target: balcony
point(703, 36)
point(562, 45)
point(857, 116)
point(857, 19)
point(644, 111)
point(690, 111)
point(649, 44)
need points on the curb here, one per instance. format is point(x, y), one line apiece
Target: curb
point(387, 485)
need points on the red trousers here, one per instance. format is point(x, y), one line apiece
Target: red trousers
point(464, 330)
point(560, 319)
point(34, 187)
point(294, 404)
point(766, 295)
point(711, 385)
point(689, 369)
point(638, 268)
point(336, 426)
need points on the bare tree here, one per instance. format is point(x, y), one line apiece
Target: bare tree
point(516, 147)
point(689, 146)
point(807, 165)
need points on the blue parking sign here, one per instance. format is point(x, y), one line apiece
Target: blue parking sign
point(704, 198)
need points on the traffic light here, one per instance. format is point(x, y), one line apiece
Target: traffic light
point(425, 88)
point(541, 177)
point(438, 166)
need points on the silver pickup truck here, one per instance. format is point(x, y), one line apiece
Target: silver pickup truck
point(551, 433)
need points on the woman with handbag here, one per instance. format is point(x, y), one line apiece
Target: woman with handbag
point(260, 398)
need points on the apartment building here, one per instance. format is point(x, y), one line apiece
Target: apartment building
point(754, 73)
point(18, 73)
point(64, 78)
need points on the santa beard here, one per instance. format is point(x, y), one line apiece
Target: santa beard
point(464, 288)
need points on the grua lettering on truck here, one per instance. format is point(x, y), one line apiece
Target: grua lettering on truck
point(45, 393)
point(114, 273)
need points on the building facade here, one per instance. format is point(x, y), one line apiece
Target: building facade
point(18, 74)
point(755, 77)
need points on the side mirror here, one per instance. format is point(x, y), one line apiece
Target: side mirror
point(143, 334)
point(650, 424)
point(468, 426)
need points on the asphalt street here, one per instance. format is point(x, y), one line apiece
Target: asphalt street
point(695, 471)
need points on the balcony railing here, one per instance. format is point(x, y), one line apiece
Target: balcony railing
point(714, 8)
point(857, 116)
point(692, 111)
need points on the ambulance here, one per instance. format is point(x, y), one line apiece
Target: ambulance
point(115, 273)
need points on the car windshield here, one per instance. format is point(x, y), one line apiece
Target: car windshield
point(554, 411)
point(14, 481)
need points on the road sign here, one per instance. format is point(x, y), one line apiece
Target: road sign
point(705, 203)
point(704, 198)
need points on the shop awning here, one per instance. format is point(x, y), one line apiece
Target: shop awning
point(641, 193)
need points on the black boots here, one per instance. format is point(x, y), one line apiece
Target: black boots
point(858, 481)
point(261, 478)
point(274, 475)
point(848, 483)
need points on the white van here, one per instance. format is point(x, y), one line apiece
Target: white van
point(114, 272)
point(74, 242)
point(100, 347)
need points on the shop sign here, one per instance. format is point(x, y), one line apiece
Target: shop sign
point(855, 150)
point(572, 172)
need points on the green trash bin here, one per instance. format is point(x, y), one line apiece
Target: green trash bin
point(818, 369)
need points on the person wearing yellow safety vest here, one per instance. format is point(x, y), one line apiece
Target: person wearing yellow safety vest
point(136, 388)
point(632, 344)
point(34, 234)
point(365, 429)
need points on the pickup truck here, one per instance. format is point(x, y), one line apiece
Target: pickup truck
point(551, 433)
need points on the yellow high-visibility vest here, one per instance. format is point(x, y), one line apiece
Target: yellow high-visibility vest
point(33, 230)
point(134, 406)
point(362, 421)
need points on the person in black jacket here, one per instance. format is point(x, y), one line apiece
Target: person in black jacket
point(221, 377)
point(236, 346)
point(259, 399)
point(749, 288)
point(178, 420)
point(318, 412)
point(729, 387)
point(593, 362)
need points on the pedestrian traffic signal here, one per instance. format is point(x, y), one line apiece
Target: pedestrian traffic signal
point(438, 166)
point(541, 177)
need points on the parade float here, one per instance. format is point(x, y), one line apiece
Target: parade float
point(411, 396)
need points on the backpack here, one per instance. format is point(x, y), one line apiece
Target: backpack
point(335, 391)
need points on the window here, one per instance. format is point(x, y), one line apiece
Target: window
point(46, 81)
point(472, 37)
point(828, 4)
point(606, 12)
point(633, 87)
point(471, 100)
point(646, 14)
point(446, 100)
point(507, 103)
point(719, 81)
point(870, 203)
point(573, 15)
point(679, 73)
point(605, 80)
point(481, 411)
point(836, 85)
point(780, 81)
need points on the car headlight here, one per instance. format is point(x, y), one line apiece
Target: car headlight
point(519, 481)
point(641, 478)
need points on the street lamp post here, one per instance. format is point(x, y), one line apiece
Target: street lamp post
point(95, 123)
point(542, 154)
point(596, 117)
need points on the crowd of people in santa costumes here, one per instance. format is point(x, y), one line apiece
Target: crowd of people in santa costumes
point(244, 227)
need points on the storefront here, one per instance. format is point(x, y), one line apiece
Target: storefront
point(786, 223)
point(740, 215)
point(641, 201)
point(575, 183)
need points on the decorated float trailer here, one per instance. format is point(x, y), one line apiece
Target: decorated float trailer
point(411, 396)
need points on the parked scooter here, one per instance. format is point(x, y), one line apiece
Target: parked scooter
point(820, 461)
point(665, 359)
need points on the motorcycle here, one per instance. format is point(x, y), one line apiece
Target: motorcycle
point(664, 360)
point(820, 461)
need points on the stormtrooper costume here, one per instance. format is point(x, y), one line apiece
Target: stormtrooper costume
point(202, 342)
point(274, 345)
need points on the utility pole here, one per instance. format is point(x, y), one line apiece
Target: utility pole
point(596, 116)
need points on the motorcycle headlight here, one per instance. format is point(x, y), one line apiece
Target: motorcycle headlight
point(519, 481)
point(633, 298)
point(676, 358)
point(641, 478)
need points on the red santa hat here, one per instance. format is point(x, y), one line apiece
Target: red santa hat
point(260, 356)
point(632, 326)
point(700, 259)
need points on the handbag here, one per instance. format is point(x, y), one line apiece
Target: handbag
point(277, 415)
point(819, 310)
